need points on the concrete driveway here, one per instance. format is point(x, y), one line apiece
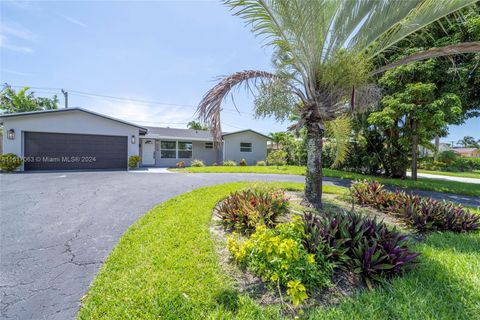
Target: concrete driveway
point(58, 228)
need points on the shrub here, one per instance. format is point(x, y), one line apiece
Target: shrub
point(242, 163)
point(180, 164)
point(197, 163)
point(261, 163)
point(277, 158)
point(280, 259)
point(422, 213)
point(229, 163)
point(429, 214)
point(362, 244)
point(243, 210)
point(372, 194)
point(10, 162)
point(134, 161)
point(447, 156)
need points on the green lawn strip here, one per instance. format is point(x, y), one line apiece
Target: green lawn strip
point(472, 174)
point(165, 267)
point(455, 187)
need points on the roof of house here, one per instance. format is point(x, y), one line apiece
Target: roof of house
point(464, 150)
point(175, 133)
point(34, 113)
point(151, 132)
point(196, 135)
point(242, 131)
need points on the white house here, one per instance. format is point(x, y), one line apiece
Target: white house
point(75, 139)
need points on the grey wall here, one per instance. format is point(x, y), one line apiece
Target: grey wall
point(199, 152)
point(65, 122)
point(209, 156)
point(232, 147)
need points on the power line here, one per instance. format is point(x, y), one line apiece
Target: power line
point(88, 94)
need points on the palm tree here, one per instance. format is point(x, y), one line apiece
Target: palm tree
point(324, 52)
point(195, 125)
point(468, 142)
point(278, 138)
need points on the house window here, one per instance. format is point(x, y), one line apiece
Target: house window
point(245, 147)
point(208, 145)
point(168, 149)
point(184, 150)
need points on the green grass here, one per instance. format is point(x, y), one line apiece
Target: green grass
point(165, 267)
point(470, 174)
point(470, 189)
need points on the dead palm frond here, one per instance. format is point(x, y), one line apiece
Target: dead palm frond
point(209, 108)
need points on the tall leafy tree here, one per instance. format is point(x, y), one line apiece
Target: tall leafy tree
point(23, 101)
point(414, 109)
point(456, 79)
point(324, 52)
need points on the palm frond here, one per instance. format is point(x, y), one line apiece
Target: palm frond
point(466, 47)
point(339, 131)
point(209, 108)
point(392, 21)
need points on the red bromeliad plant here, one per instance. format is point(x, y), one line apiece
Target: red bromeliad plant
point(243, 210)
point(422, 213)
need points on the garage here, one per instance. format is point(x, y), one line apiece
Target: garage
point(60, 151)
point(70, 139)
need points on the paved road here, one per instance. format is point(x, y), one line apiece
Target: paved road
point(58, 228)
point(446, 178)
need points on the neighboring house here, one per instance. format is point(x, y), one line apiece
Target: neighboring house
point(424, 151)
point(467, 152)
point(75, 139)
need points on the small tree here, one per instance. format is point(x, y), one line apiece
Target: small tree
point(21, 101)
point(277, 158)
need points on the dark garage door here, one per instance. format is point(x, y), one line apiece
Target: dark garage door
point(61, 151)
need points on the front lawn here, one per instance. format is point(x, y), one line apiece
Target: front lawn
point(166, 267)
point(470, 174)
point(470, 189)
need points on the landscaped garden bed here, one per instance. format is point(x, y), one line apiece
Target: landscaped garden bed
point(170, 265)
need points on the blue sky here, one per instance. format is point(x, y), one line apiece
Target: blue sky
point(167, 54)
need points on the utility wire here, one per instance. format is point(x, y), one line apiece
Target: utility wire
point(88, 94)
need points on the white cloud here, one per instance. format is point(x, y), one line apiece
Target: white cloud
point(21, 49)
point(73, 20)
point(7, 32)
point(18, 73)
point(16, 31)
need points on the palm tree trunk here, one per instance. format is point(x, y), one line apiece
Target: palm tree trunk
point(313, 180)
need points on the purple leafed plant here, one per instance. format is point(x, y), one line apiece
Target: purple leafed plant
point(422, 213)
point(352, 241)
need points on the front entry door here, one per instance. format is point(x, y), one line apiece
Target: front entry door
point(148, 152)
